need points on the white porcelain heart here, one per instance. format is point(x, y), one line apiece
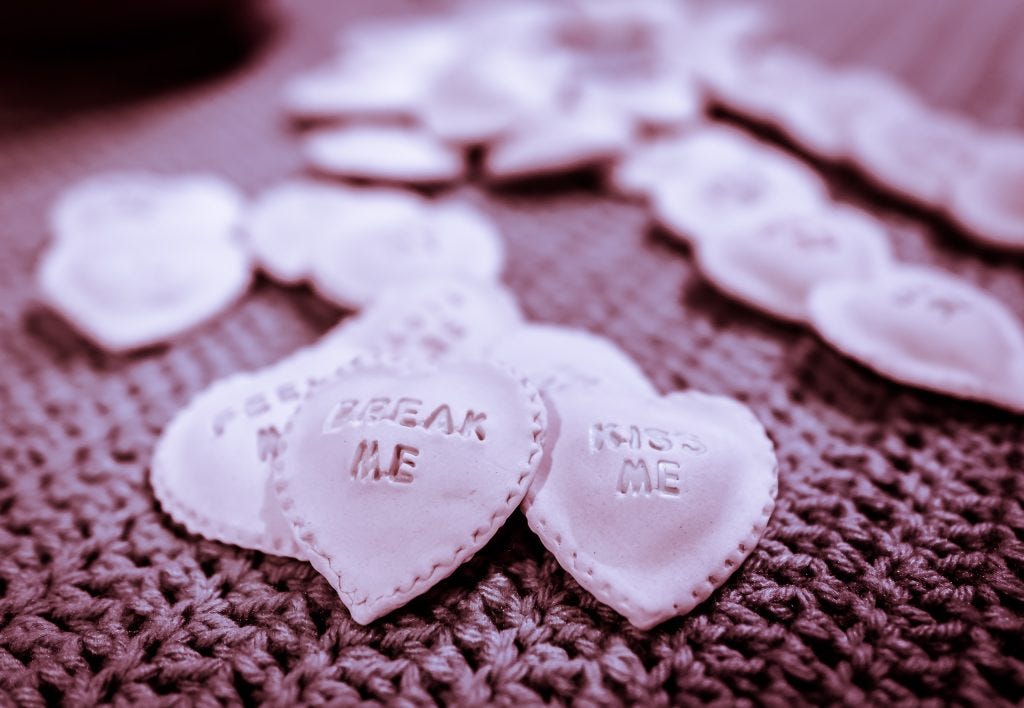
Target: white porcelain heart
point(285, 222)
point(393, 476)
point(390, 238)
point(384, 153)
point(651, 503)
point(566, 139)
point(732, 183)
point(915, 151)
point(138, 258)
point(775, 263)
point(141, 292)
point(210, 470)
point(928, 329)
point(989, 204)
point(147, 206)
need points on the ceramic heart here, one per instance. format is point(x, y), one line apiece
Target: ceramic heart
point(210, 469)
point(112, 207)
point(651, 503)
point(393, 476)
point(392, 238)
point(929, 329)
point(139, 293)
point(775, 263)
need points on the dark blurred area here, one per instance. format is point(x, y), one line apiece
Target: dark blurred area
point(56, 56)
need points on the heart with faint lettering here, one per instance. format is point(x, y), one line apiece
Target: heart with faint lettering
point(775, 263)
point(394, 474)
point(926, 328)
point(651, 503)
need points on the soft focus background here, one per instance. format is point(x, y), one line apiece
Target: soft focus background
point(892, 569)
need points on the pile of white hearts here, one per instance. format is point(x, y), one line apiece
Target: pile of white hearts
point(542, 87)
point(545, 89)
point(765, 231)
point(393, 449)
point(138, 258)
point(939, 160)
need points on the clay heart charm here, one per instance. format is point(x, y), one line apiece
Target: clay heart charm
point(391, 237)
point(393, 475)
point(285, 222)
point(564, 140)
point(141, 292)
point(989, 204)
point(110, 208)
point(651, 503)
point(383, 153)
point(138, 258)
point(915, 151)
point(926, 328)
point(210, 470)
point(775, 263)
point(731, 187)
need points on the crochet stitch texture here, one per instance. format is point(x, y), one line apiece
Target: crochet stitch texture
point(891, 571)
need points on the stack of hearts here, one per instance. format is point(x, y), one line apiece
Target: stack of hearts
point(393, 449)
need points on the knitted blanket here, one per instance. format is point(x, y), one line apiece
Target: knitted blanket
point(892, 569)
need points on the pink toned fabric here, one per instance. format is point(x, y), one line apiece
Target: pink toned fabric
point(891, 570)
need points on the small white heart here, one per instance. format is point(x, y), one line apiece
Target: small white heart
point(142, 292)
point(651, 503)
point(393, 476)
point(928, 329)
point(383, 153)
point(284, 224)
point(775, 263)
point(989, 203)
point(138, 258)
point(731, 181)
point(390, 238)
point(915, 151)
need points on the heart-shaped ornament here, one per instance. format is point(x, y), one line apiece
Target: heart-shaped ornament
point(989, 204)
point(284, 223)
point(566, 139)
point(384, 153)
point(649, 165)
point(651, 503)
point(915, 151)
point(733, 189)
point(926, 328)
point(139, 293)
point(821, 120)
point(775, 263)
point(392, 475)
point(386, 241)
point(210, 468)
